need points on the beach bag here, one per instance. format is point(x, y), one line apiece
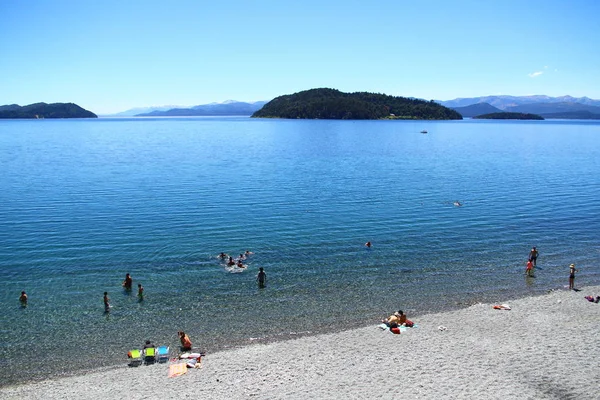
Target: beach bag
point(395, 330)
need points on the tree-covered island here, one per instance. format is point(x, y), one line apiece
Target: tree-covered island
point(43, 110)
point(509, 115)
point(333, 104)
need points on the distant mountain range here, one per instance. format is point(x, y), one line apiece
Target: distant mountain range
point(564, 107)
point(43, 110)
point(231, 107)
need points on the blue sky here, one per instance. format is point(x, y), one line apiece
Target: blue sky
point(109, 56)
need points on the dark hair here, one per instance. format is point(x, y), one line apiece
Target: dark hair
point(400, 312)
point(105, 293)
point(147, 342)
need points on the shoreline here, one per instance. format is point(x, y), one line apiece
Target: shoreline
point(544, 347)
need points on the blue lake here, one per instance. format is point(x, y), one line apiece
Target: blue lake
point(82, 202)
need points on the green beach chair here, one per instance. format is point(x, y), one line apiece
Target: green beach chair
point(149, 355)
point(135, 357)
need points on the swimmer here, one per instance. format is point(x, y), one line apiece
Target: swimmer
point(248, 252)
point(368, 244)
point(240, 264)
point(457, 203)
point(140, 291)
point(230, 262)
point(241, 257)
point(222, 256)
point(127, 282)
point(23, 298)
point(106, 303)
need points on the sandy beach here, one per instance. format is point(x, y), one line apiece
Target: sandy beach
point(545, 347)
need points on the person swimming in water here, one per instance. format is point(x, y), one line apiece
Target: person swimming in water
point(368, 245)
point(240, 264)
point(222, 256)
point(230, 262)
point(457, 203)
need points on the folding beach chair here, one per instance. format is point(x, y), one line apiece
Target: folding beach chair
point(135, 357)
point(149, 355)
point(162, 354)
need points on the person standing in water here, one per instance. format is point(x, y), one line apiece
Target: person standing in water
point(529, 270)
point(261, 278)
point(140, 292)
point(23, 298)
point(128, 282)
point(572, 271)
point(106, 303)
point(533, 255)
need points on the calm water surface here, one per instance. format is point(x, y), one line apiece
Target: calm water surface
point(82, 202)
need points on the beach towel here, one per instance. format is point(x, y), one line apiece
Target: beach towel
point(177, 369)
point(501, 307)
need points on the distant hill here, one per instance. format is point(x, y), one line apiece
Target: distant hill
point(509, 115)
point(550, 108)
point(571, 115)
point(233, 108)
point(476, 109)
point(503, 102)
point(43, 110)
point(141, 110)
point(324, 103)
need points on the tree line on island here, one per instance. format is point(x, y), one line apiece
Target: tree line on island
point(327, 103)
point(43, 110)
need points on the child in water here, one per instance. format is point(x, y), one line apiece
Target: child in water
point(140, 292)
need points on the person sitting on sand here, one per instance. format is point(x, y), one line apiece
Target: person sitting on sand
point(23, 298)
point(186, 343)
point(393, 320)
point(148, 344)
point(127, 282)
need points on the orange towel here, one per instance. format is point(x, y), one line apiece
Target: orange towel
point(177, 369)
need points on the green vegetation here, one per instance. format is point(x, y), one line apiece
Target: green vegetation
point(43, 110)
point(333, 104)
point(509, 115)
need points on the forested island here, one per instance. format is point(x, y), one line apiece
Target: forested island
point(510, 115)
point(43, 110)
point(332, 104)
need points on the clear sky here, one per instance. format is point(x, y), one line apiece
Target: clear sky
point(110, 56)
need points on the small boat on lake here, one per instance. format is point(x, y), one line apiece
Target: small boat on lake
point(423, 131)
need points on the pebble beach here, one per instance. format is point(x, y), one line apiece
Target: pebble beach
point(544, 347)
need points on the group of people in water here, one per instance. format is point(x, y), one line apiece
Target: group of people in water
point(261, 277)
point(127, 285)
point(532, 264)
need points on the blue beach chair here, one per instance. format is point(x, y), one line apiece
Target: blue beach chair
point(162, 354)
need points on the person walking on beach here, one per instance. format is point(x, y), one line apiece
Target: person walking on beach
point(106, 303)
point(533, 255)
point(261, 278)
point(529, 269)
point(572, 271)
point(23, 298)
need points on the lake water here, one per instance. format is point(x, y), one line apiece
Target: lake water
point(82, 202)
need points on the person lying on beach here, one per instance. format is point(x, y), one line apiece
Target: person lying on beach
point(186, 343)
point(592, 300)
